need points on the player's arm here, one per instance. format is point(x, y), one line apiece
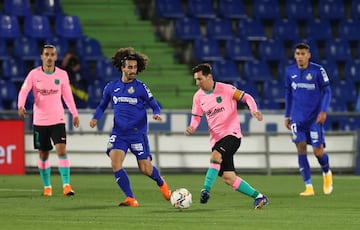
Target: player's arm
point(196, 114)
point(69, 101)
point(325, 103)
point(23, 93)
point(104, 102)
point(288, 103)
point(240, 95)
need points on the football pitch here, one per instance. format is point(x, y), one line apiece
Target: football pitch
point(95, 204)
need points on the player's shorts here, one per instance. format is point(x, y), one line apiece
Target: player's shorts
point(137, 144)
point(227, 146)
point(44, 134)
point(313, 134)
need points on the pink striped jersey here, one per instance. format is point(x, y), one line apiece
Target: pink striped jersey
point(48, 89)
point(220, 108)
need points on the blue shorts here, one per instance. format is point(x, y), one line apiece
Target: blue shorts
point(137, 144)
point(313, 134)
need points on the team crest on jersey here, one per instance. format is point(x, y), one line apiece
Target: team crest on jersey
point(308, 77)
point(131, 90)
point(218, 99)
point(57, 81)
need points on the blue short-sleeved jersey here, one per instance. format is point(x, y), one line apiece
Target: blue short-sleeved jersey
point(129, 102)
point(304, 92)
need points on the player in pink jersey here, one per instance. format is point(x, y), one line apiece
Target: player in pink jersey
point(218, 101)
point(49, 85)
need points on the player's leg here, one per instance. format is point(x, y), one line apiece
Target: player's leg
point(42, 142)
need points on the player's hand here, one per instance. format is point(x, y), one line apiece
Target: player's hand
point(22, 112)
point(76, 122)
point(258, 115)
point(189, 130)
point(93, 123)
point(321, 118)
point(157, 117)
point(287, 123)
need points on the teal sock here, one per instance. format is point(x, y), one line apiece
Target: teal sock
point(64, 169)
point(45, 171)
point(210, 177)
point(246, 189)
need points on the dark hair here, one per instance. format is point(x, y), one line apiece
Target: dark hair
point(302, 46)
point(204, 67)
point(128, 53)
point(47, 46)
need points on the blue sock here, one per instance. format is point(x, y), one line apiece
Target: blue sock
point(304, 168)
point(324, 162)
point(155, 175)
point(123, 181)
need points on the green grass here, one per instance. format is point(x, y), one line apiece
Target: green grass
point(97, 196)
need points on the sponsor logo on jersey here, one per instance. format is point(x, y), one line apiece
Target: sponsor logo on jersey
point(129, 100)
point(211, 113)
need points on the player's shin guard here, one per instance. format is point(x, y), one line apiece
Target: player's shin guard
point(155, 175)
point(242, 186)
point(64, 169)
point(324, 162)
point(123, 181)
point(211, 176)
point(45, 171)
point(304, 168)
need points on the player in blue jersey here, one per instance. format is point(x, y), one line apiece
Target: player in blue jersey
point(307, 99)
point(129, 98)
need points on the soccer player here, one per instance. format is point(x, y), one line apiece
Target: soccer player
point(307, 99)
point(49, 85)
point(129, 98)
point(218, 102)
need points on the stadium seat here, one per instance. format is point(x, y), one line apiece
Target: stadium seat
point(251, 29)
point(274, 89)
point(95, 91)
point(68, 26)
point(266, 10)
point(344, 92)
point(187, 29)
point(355, 9)
point(106, 71)
point(202, 9)
point(13, 69)
point(61, 44)
point(238, 50)
point(219, 29)
point(318, 30)
point(257, 71)
point(37, 26)
point(8, 94)
point(331, 9)
point(271, 50)
point(231, 9)
point(348, 29)
point(225, 71)
point(299, 10)
point(49, 8)
point(249, 87)
point(207, 49)
point(89, 49)
point(9, 27)
point(352, 71)
point(285, 30)
point(169, 9)
point(337, 50)
point(19, 8)
point(4, 51)
point(26, 48)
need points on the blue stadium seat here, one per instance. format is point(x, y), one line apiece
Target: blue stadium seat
point(95, 91)
point(219, 28)
point(202, 9)
point(348, 29)
point(331, 9)
point(257, 71)
point(231, 9)
point(344, 92)
point(19, 8)
point(62, 45)
point(169, 9)
point(26, 48)
point(337, 105)
point(225, 71)
point(352, 71)
point(37, 26)
point(274, 89)
point(266, 10)
point(299, 10)
point(207, 49)
point(282, 66)
point(271, 50)
point(286, 30)
point(251, 29)
point(13, 69)
point(238, 50)
point(8, 94)
point(106, 71)
point(249, 87)
point(4, 51)
point(318, 30)
point(49, 8)
point(338, 50)
point(355, 9)
point(89, 49)
point(187, 29)
point(68, 26)
point(9, 27)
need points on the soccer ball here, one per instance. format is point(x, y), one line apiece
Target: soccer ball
point(181, 198)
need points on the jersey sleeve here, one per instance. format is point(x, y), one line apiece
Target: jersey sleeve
point(196, 112)
point(68, 96)
point(104, 102)
point(25, 89)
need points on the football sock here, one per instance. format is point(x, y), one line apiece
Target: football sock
point(211, 176)
point(304, 168)
point(64, 169)
point(324, 162)
point(123, 181)
point(242, 186)
point(155, 175)
point(45, 170)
